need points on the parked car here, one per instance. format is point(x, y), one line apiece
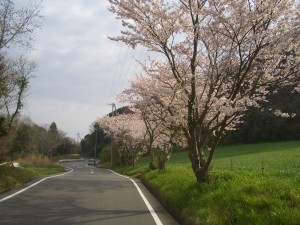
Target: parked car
point(92, 162)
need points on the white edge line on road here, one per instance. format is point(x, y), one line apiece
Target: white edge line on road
point(34, 184)
point(151, 210)
point(3, 163)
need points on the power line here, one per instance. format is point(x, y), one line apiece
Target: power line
point(126, 66)
point(122, 69)
point(115, 72)
point(78, 138)
point(134, 65)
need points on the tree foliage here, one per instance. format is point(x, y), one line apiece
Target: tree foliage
point(89, 142)
point(17, 25)
point(259, 126)
point(14, 81)
point(29, 138)
point(219, 58)
point(127, 134)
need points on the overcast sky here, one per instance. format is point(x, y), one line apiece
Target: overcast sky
point(79, 69)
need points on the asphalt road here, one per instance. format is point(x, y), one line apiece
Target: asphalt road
point(86, 195)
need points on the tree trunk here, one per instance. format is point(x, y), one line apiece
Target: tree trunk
point(152, 163)
point(163, 160)
point(162, 165)
point(199, 163)
point(200, 172)
point(202, 175)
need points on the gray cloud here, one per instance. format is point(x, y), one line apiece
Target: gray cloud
point(77, 73)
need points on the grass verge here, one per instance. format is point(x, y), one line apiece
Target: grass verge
point(32, 167)
point(240, 192)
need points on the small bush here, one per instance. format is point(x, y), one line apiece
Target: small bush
point(105, 154)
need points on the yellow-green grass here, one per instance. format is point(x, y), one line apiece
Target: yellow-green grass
point(240, 192)
point(32, 167)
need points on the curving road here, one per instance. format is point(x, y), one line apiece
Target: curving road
point(85, 195)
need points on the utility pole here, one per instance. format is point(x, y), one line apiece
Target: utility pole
point(114, 109)
point(78, 138)
point(96, 127)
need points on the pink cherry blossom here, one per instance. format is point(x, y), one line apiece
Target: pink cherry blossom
point(217, 59)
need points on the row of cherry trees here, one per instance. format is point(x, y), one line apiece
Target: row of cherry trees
point(217, 58)
point(134, 135)
point(127, 134)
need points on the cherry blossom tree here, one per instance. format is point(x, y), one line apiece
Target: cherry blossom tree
point(127, 133)
point(224, 56)
point(154, 99)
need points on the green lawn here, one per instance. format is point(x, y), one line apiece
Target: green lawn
point(239, 192)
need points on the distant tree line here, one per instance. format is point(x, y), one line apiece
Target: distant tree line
point(28, 138)
point(88, 144)
point(263, 126)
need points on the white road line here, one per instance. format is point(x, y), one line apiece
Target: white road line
point(3, 163)
point(151, 210)
point(36, 183)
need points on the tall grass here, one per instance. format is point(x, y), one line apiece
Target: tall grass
point(32, 167)
point(240, 192)
point(32, 160)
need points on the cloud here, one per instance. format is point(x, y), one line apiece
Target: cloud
point(71, 117)
point(77, 65)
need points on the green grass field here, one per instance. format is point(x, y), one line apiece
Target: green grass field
point(240, 192)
